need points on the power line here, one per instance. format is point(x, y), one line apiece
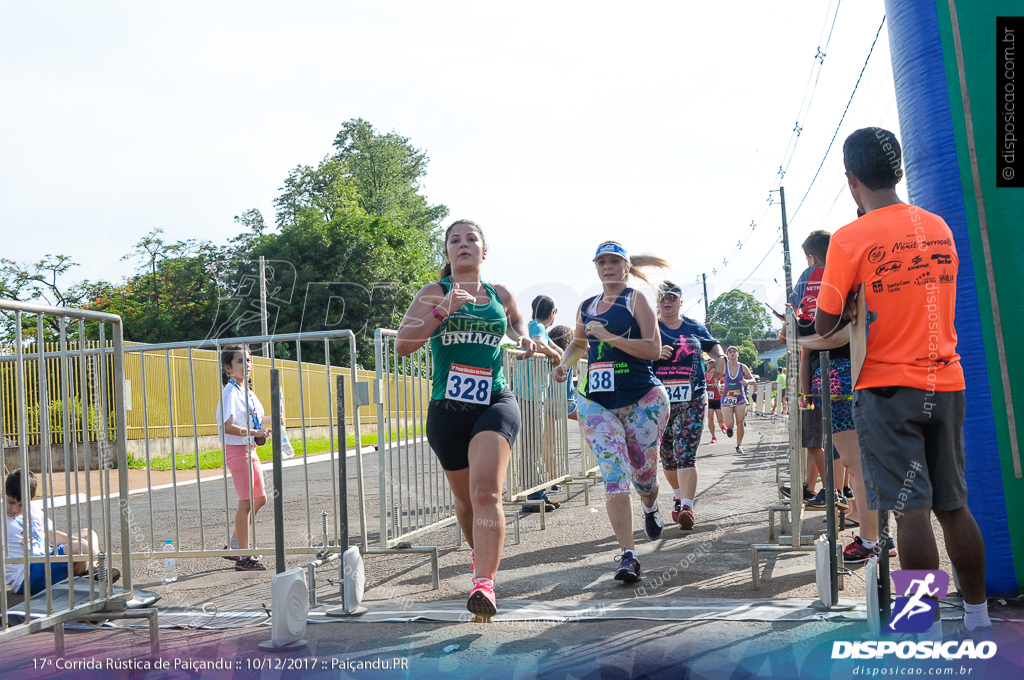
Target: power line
point(794, 138)
point(836, 133)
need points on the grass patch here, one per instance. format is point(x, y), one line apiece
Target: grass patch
point(214, 458)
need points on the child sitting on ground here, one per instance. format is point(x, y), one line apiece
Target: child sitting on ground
point(60, 542)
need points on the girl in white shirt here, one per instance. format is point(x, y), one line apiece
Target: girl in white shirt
point(241, 418)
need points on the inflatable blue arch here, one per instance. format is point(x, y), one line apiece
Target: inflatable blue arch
point(951, 64)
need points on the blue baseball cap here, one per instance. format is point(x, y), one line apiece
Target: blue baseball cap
point(611, 248)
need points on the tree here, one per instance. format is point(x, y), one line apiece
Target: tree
point(387, 172)
point(326, 189)
point(740, 313)
point(351, 270)
point(252, 221)
point(736, 319)
point(39, 282)
point(175, 300)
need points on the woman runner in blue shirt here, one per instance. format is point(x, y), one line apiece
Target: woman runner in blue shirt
point(625, 408)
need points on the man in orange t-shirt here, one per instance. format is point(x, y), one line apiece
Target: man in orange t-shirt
point(909, 402)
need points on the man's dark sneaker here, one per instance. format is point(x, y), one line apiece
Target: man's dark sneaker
point(248, 563)
point(848, 492)
point(728, 432)
point(653, 524)
point(629, 568)
point(549, 505)
point(819, 501)
point(808, 494)
point(232, 558)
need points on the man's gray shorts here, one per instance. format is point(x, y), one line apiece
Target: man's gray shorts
point(911, 447)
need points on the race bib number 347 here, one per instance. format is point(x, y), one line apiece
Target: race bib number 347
point(678, 390)
point(602, 377)
point(469, 384)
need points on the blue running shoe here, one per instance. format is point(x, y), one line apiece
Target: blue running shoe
point(653, 524)
point(629, 568)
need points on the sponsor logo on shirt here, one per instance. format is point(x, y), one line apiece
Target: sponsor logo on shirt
point(889, 267)
point(904, 246)
point(876, 255)
point(918, 263)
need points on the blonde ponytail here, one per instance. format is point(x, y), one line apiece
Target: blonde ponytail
point(646, 261)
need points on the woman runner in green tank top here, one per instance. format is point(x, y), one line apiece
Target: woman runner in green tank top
point(473, 417)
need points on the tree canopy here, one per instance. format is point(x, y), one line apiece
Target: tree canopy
point(352, 240)
point(737, 318)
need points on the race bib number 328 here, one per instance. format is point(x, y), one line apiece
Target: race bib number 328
point(469, 384)
point(602, 377)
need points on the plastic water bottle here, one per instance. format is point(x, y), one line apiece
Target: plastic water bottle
point(286, 446)
point(170, 565)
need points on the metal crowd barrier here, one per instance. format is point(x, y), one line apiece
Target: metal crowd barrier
point(83, 393)
point(196, 500)
point(414, 496)
point(540, 456)
point(589, 468)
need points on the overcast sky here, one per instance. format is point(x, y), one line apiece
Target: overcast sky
point(555, 125)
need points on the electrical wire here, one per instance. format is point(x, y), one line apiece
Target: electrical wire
point(841, 119)
point(790, 151)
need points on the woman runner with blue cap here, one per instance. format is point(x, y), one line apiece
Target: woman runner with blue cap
point(626, 407)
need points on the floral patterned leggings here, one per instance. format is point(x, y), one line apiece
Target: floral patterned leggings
point(682, 434)
point(626, 440)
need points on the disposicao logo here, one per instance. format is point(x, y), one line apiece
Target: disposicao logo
point(914, 613)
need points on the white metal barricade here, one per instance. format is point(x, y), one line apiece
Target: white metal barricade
point(68, 417)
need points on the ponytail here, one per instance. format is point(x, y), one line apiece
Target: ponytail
point(646, 261)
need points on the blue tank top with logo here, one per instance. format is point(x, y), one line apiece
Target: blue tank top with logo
point(683, 374)
point(616, 378)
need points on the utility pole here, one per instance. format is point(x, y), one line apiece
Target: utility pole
point(787, 265)
point(707, 305)
point(263, 305)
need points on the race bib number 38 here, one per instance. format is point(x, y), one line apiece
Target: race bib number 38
point(602, 377)
point(469, 384)
point(678, 390)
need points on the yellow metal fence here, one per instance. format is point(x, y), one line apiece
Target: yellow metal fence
point(160, 387)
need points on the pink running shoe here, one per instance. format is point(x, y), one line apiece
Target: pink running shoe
point(677, 506)
point(472, 562)
point(713, 439)
point(481, 600)
point(686, 519)
point(723, 429)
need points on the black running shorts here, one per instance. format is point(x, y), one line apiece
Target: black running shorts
point(451, 425)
